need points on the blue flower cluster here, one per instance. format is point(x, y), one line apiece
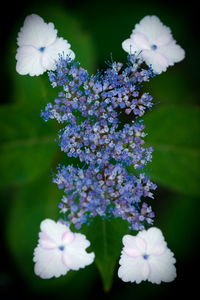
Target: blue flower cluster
point(102, 128)
point(107, 191)
point(99, 143)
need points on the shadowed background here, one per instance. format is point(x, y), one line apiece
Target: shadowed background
point(29, 154)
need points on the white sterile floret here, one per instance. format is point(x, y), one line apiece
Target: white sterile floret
point(146, 257)
point(153, 41)
point(60, 250)
point(39, 47)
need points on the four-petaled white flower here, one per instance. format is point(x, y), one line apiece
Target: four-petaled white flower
point(60, 250)
point(146, 257)
point(153, 41)
point(39, 47)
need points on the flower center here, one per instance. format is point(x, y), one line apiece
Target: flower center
point(61, 248)
point(41, 49)
point(154, 47)
point(145, 256)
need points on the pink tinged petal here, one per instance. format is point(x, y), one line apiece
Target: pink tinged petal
point(68, 237)
point(36, 32)
point(133, 252)
point(75, 256)
point(43, 236)
point(162, 267)
point(173, 52)
point(132, 269)
point(141, 244)
point(54, 230)
point(29, 61)
point(48, 263)
point(140, 41)
point(154, 30)
point(130, 47)
point(158, 61)
point(134, 245)
point(46, 242)
point(155, 242)
point(51, 54)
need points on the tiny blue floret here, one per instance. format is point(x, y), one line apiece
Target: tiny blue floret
point(154, 47)
point(41, 49)
point(61, 248)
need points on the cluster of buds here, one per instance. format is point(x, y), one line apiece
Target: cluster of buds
point(102, 128)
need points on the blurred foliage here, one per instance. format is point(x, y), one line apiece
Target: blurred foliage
point(179, 220)
point(29, 153)
point(173, 132)
point(27, 146)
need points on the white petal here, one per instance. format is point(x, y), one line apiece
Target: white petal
point(51, 53)
point(46, 242)
point(141, 244)
point(155, 242)
point(156, 32)
point(158, 61)
point(134, 246)
point(134, 252)
point(173, 52)
point(29, 61)
point(140, 40)
point(133, 269)
point(130, 47)
point(128, 240)
point(75, 256)
point(48, 263)
point(54, 230)
point(68, 237)
point(35, 32)
point(162, 267)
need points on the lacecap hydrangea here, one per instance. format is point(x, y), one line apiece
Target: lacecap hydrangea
point(103, 132)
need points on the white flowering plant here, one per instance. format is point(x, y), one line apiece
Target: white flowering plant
point(90, 108)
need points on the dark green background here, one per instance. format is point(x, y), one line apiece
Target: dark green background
point(29, 153)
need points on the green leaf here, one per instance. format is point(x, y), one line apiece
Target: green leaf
point(31, 204)
point(106, 242)
point(27, 145)
point(173, 131)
